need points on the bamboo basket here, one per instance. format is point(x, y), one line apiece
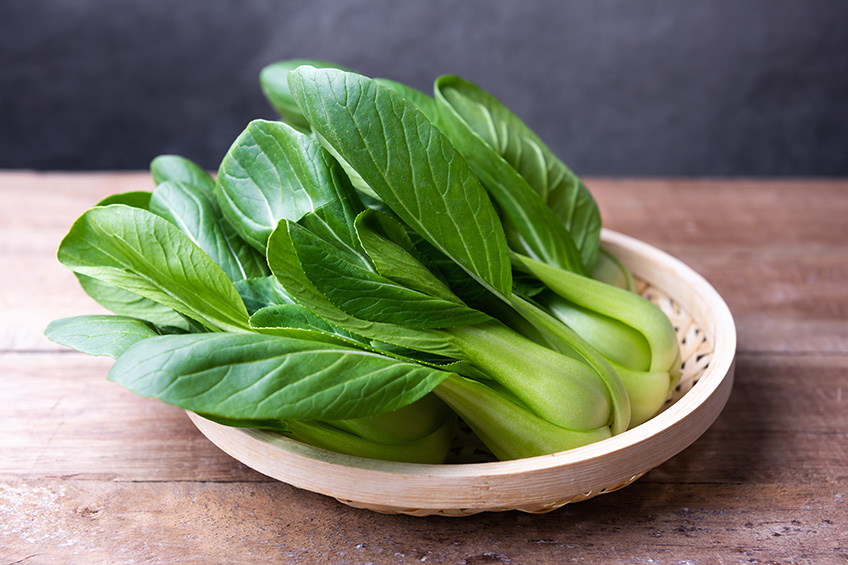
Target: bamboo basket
point(707, 336)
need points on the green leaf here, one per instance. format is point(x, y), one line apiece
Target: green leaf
point(286, 266)
point(335, 223)
point(365, 191)
point(295, 321)
point(257, 377)
point(423, 102)
point(136, 199)
point(295, 316)
point(408, 424)
point(289, 316)
point(166, 168)
point(531, 226)
point(400, 263)
point(468, 289)
point(502, 150)
point(125, 303)
point(99, 335)
point(431, 449)
point(274, 172)
point(195, 211)
point(146, 255)
point(275, 425)
point(275, 86)
point(410, 165)
point(261, 292)
point(370, 296)
point(252, 262)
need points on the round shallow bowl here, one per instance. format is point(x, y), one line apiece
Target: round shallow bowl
point(707, 336)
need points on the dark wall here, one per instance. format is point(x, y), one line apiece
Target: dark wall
point(616, 87)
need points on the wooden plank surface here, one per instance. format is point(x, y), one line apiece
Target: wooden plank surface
point(90, 473)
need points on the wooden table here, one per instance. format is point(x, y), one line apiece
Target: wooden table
point(90, 473)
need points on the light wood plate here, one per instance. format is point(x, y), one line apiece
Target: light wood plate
point(707, 334)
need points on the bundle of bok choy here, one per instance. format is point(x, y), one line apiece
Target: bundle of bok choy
point(365, 272)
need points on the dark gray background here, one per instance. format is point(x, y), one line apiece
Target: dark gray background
point(616, 87)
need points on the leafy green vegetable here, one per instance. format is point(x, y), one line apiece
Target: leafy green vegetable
point(410, 164)
point(146, 255)
point(99, 335)
point(281, 319)
point(287, 267)
point(430, 448)
point(558, 388)
point(185, 196)
point(275, 85)
point(400, 262)
point(510, 160)
point(530, 224)
point(627, 307)
point(367, 295)
point(508, 429)
point(136, 199)
point(250, 376)
point(273, 172)
point(425, 103)
point(125, 303)
point(195, 211)
point(361, 276)
point(166, 168)
point(260, 292)
point(343, 108)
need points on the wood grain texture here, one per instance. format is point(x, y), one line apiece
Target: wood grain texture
point(90, 473)
point(53, 521)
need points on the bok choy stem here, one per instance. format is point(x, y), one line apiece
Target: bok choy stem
point(509, 430)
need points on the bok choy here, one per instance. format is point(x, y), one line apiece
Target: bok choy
point(365, 274)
